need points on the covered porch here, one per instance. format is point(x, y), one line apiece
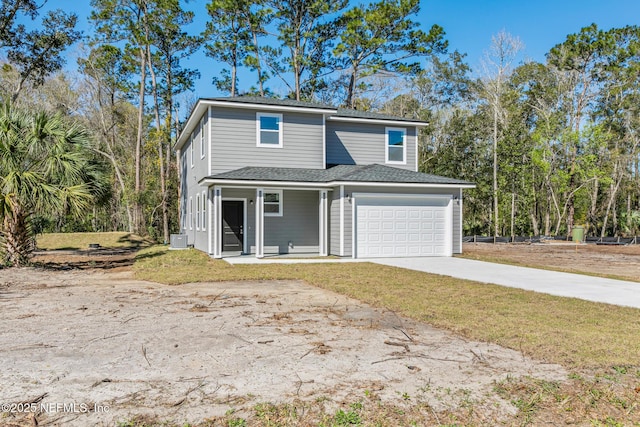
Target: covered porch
point(268, 220)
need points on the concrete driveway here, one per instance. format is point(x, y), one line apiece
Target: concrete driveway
point(588, 288)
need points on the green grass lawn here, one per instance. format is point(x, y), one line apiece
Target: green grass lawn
point(53, 241)
point(575, 333)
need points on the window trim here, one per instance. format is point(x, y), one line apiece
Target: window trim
point(259, 130)
point(204, 210)
point(190, 213)
point(183, 212)
point(198, 212)
point(280, 202)
point(202, 138)
point(387, 146)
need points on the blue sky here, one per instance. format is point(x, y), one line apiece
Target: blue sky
point(540, 24)
point(469, 25)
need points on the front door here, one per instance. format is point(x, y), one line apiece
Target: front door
point(232, 225)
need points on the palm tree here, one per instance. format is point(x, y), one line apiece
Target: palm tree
point(45, 167)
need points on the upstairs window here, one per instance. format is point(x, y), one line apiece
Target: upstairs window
point(269, 130)
point(396, 146)
point(273, 203)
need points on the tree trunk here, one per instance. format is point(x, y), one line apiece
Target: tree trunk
point(160, 140)
point(628, 224)
point(233, 79)
point(495, 172)
point(535, 207)
point(572, 211)
point(168, 148)
point(613, 190)
point(298, 91)
point(256, 47)
point(534, 225)
point(593, 208)
point(137, 207)
point(110, 137)
point(547, 217)
point(16, 93)
point(297, 68)
point(17, 239)
point(513, 214)
point(351, 92)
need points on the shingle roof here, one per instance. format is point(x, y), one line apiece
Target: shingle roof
point(340, 112)
point(251, 173)
point(340, 173)
point(380, 173)
point(272, 101)
point(345, 112)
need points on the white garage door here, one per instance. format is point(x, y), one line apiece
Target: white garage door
point(403, 226)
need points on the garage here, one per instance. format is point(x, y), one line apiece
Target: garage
point(402, 225)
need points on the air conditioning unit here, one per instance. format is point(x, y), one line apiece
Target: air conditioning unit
point(178, 241)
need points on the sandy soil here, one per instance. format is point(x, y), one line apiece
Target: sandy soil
point(622, 261)
point(109, 347)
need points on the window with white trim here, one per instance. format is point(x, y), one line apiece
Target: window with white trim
point(190, 213)
point(204, 210)
point(202, 138)
point(396, 146)
point(272, 202)
point(197, 212)
point(269, 130)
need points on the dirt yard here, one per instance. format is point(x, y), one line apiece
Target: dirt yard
point(619, 261)
point(94, 346)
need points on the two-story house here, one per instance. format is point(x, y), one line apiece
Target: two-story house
point(272, 176)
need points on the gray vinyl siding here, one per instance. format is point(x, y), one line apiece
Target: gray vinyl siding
point(191, 173)
point(233, 133)
point(348, 211)
point(299, 224)
point(297, 230)
point(184, 189)
point(457, 226)
point(200, 164)
point(351, 143)
point(348, 225)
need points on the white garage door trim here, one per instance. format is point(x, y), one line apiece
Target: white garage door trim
point(422, 207)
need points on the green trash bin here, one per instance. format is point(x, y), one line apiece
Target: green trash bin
point(578, 234)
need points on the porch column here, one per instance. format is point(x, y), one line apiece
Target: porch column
point(324, 229)
point(259, 222)
point(216, 227)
